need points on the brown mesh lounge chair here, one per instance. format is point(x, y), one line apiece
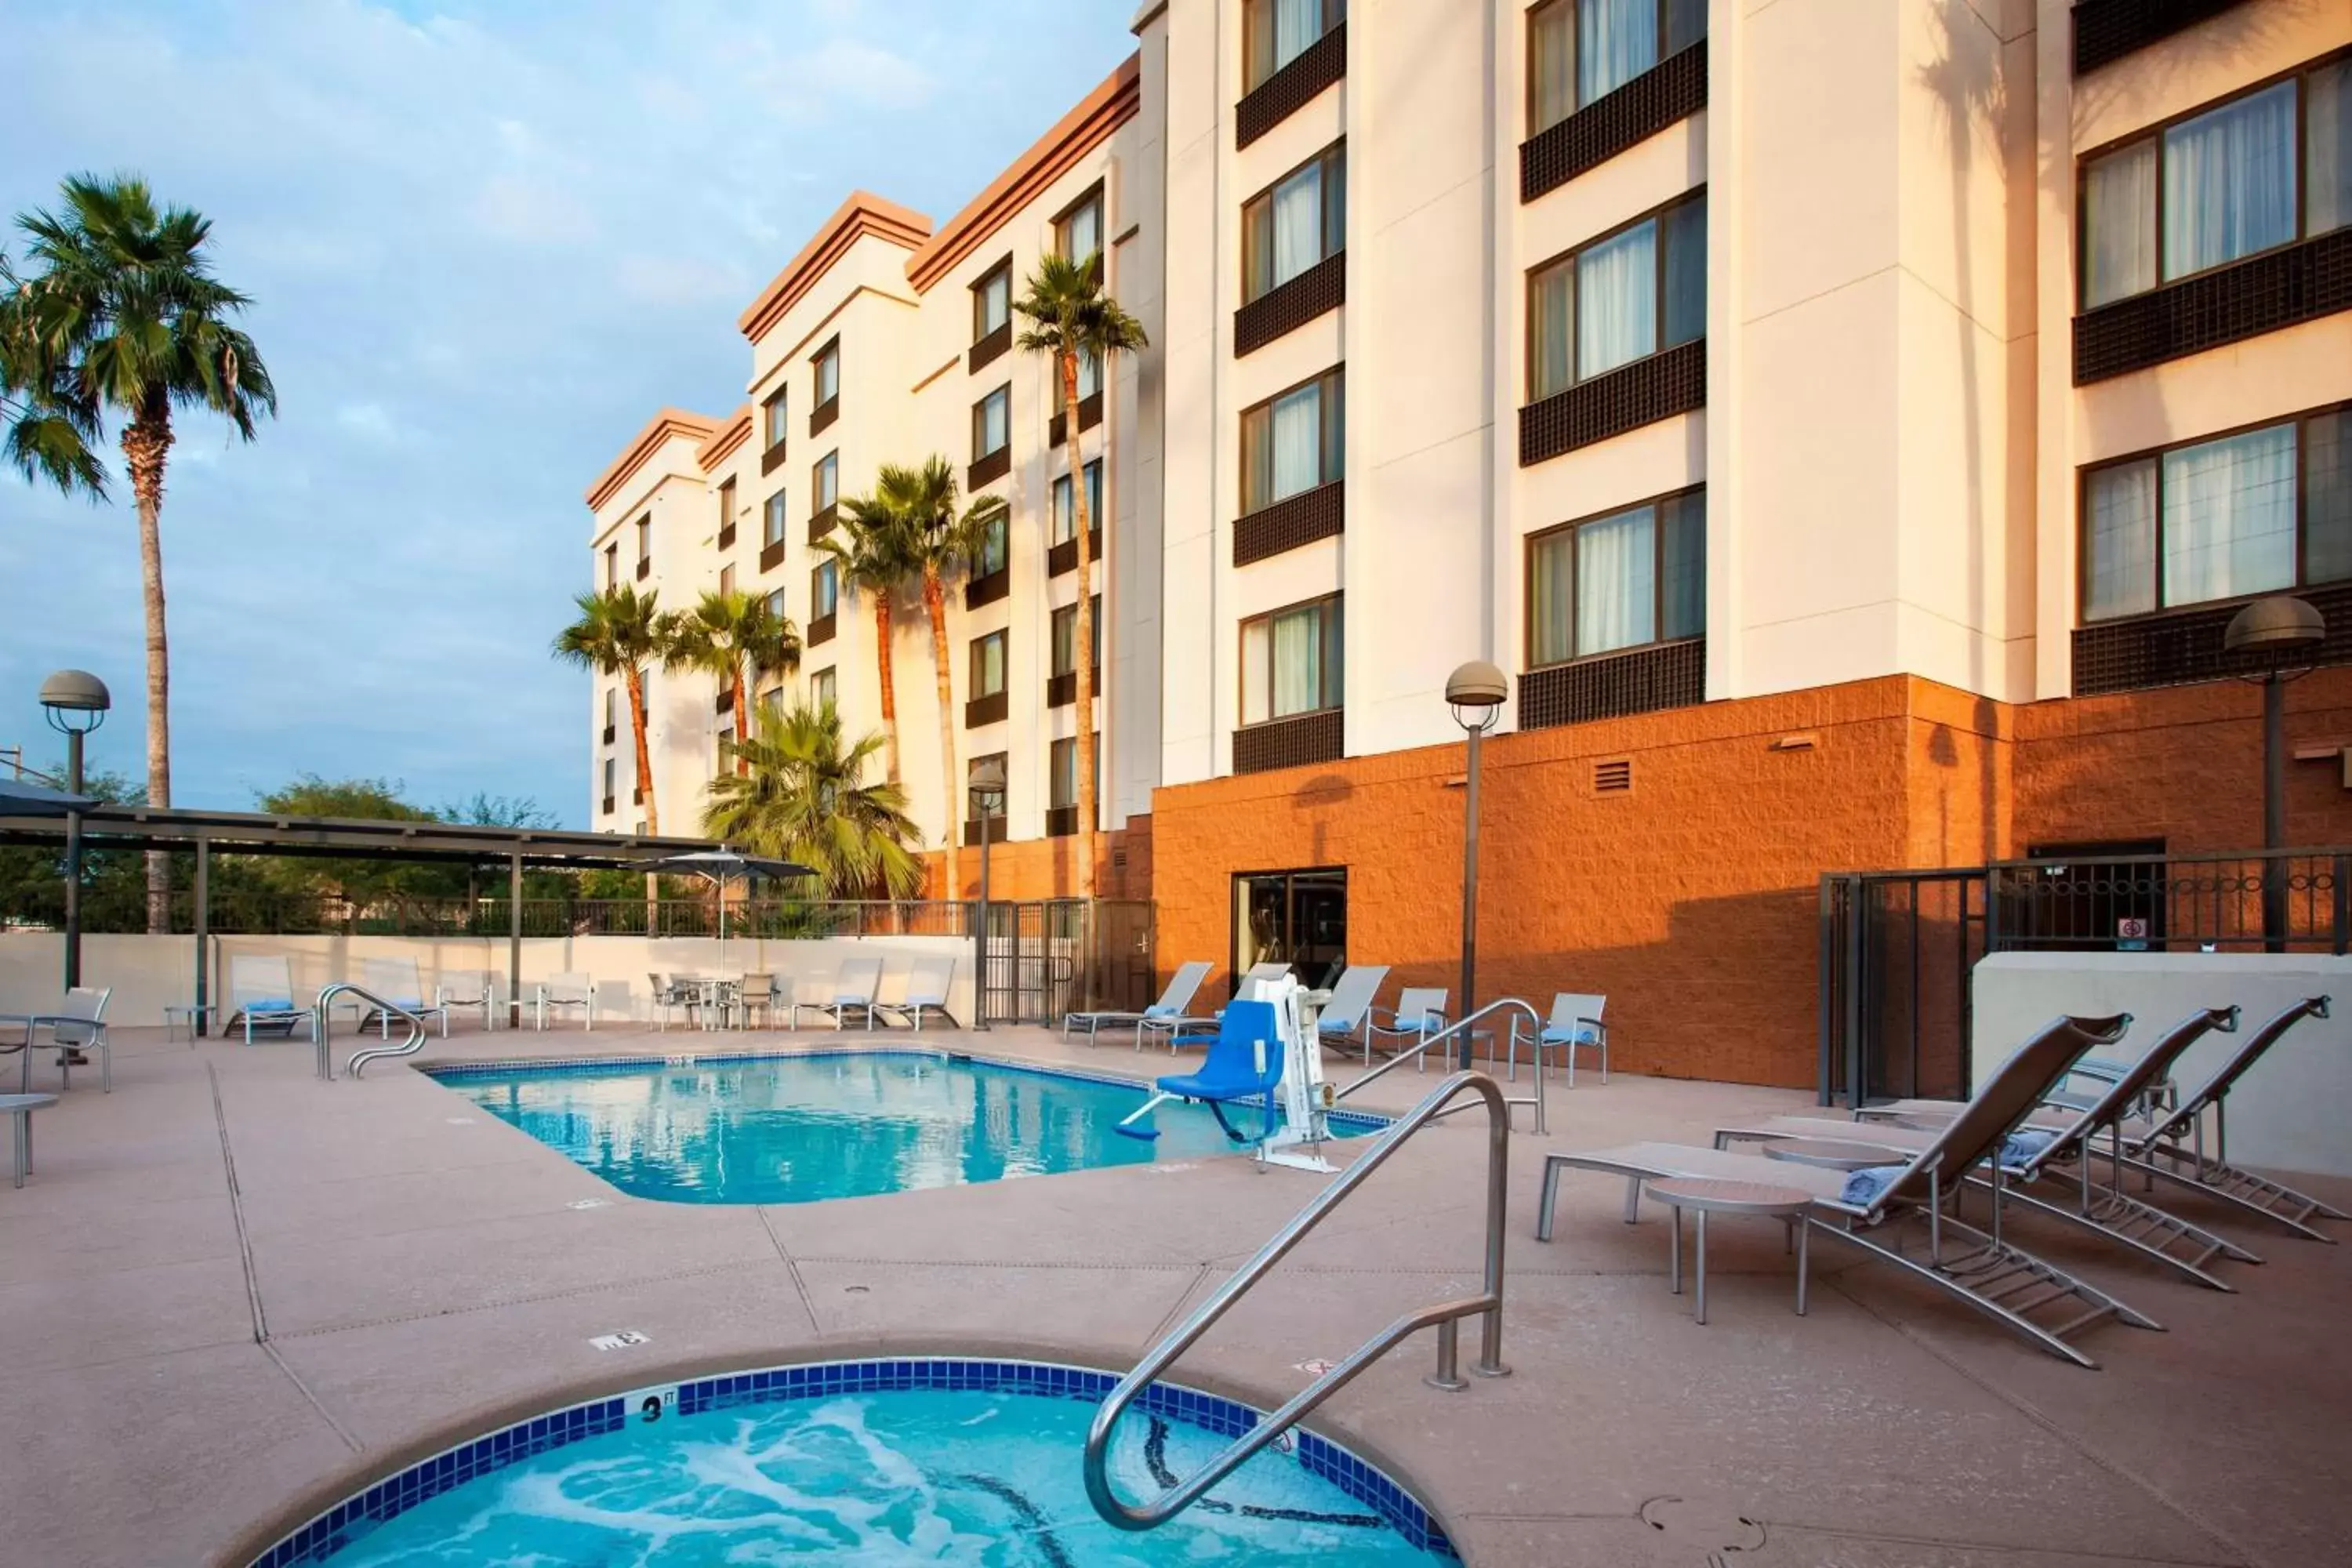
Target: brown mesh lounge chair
point(1897, 1214)
point(2049, 1166)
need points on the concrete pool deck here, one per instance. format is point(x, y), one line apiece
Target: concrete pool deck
point(231, 1292)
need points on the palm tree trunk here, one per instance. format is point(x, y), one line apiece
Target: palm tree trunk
point(742, 717)
point(146, 446)
point(935, 600)
point(889, 693)
point(1084, 635)
point(637, 686)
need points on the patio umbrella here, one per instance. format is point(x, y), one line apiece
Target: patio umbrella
point(720, 866)
point(18, 798)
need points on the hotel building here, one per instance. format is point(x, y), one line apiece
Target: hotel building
point(1850, 425)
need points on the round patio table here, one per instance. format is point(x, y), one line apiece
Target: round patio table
point(1704, 1197)
point(1834, 1154)
point(19, 1108)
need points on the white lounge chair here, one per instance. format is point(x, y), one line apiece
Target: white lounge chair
point(261, 995)
point(928, 980)
point(562, 991)
point(80, 1021)
point(1575, 1024)
point(1350, 1010)
point(853, 991)
point(394, 980)
point(468, 990)
point(1171, 1004)
point(1419, 1012)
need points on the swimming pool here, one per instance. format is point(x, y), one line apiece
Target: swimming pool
point(928, 1460)
point(832, 1124)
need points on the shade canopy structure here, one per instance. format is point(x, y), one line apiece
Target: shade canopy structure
point(722, 866)
point(20, 799)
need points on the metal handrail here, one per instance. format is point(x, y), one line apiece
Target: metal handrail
point(1445, 1315)
point(322, 1026)
point(1414, 1053)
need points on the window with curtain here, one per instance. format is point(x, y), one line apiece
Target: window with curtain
point(1620, 297)
point(771, 419)
point(1078, 232)
point(827, 365)
point(771, 524)
point(1294, 442)
point(1622, 580)
point(2261, 170)
point(1065, 511)
point(995, 543)
point(1579, 50)
point(612, 564)
point(771, 701)
point(612, 711)
point(1276, 32)
point(1294, 222)
point(1062, 784)
point(612, 772)
point(725, 502)
point(1066, 638)
point(992, 300)
point(987, 665)
point(825, 588)
point(1291, 662)
point(645, 539)
point(1090, 375)
point(992, 423)
point(776, 605)
point(2251, 513)
point(821, 689)
point(826, 477)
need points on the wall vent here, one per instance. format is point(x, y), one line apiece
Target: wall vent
point(1613, 777)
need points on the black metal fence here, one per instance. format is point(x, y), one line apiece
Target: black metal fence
point(1049, 957)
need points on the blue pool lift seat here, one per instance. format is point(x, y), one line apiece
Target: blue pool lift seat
point(1245, 1062)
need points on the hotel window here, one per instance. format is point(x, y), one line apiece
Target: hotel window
point(1624, 297)
point(1062, 785)
point(2263, 170)
point(827, 366)
point(725, 503)
point(1579, 50)
point(772, 703)
point(612, 776)
point(727, 579)
point(1290, 662)
point(1078, 232)
point(645, 543)
point(1294, 224)
point(820, 688)
point(995, 543)
point(827, 481)
point(1090, 375)
point(1276, 32)
point(2263, 510)
point(1066, 638)
point(988, 666)
point(1619, 581)
point(771, 418)
point(992, 423)
point(992, 300)
point(612, 565)
point(1065, 511)
point(771, 528)
point(611, 716)
point(1294, 442)
point(825, 588)
point(776, 606)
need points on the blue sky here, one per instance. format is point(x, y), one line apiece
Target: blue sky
point(484, 242)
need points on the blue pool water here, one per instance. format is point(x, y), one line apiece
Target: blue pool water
point(987, 1477)
point(787, 1129)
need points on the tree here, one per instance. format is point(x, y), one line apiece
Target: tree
point(871, 552)
point(735, 639)
point(1071, 317)
point(619, 632)
point(805, 797)
point(124, 316)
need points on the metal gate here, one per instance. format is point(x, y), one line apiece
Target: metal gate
point(1896, 949)
point(1045, 958)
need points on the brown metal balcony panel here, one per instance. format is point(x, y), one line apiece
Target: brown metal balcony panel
point(989, 348)
point(821, 521)
point(1611, 403)
point(821, 416)
point(608, 805)
point(1673, 89)
point(2176, 647)
point(726, 703)
point(1302, 519)
point(987, 590)
point(1611, 685)
point(987, 470)
point(609, 731)
point(1061, 821)
point(726, 536)
point(1318, 292)
point(772, 458)
point(1062, 691)
point(2108, 30)
point(771, 556)
point(1064, 557)
point(990, 709)
point(821, 628)
point(971, 831)
point(1293, 87)
point(1090, 410)
point(645, 569)
point(1299, 743)
point(2279, 288)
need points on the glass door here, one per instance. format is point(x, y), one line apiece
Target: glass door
point(1298, 917)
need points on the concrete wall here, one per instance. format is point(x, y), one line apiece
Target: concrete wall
point(2285, 1114)
point(150, 973)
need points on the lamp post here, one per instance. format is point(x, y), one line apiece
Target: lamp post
point(2282, 637)
point(75, 702)
point(987, 786)
point(1475, 692)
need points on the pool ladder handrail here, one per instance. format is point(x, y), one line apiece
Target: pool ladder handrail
point(1446, 1316)
point(1415, 1052)
point(320, 1027)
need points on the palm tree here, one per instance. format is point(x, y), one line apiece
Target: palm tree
point(805, 797)
point(124, 315)
point(871, 554)
point(735, 639)
point(619, 632)
point(1072, 317)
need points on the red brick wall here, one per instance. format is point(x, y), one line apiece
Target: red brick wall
point(1048, 868)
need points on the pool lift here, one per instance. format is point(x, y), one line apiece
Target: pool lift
point(1265, 1050)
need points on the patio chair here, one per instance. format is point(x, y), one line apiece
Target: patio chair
point(853, 991)
point(1575, 1023)
point(757, 990)
point(1419, 1012)
point(669, 990)
point(81, 1021)
point(1896, 1213)
point(1350, 1010)
point(926, 990)
point(261, 995)
point(1171, 1004)
point(2031, 1159)
point(394, 980)
point(562, 991)
point(468, 990)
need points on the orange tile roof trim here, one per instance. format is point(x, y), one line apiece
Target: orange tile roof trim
point(861, 214)
point(732, 434)
point(660, 429)
point(1056, 154)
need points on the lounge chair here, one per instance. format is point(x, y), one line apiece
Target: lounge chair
point(1575, 1024)
point(2033, 1156)
point(927, 981)
point(562, 991)
point(261, 995)
point(1898, 1213)
point(1171, 1004)
point(853, 991)
point(394, 980)
point(1419, 1012)
point(1349, 1009)
point(468, 989)
point(80, 1021)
